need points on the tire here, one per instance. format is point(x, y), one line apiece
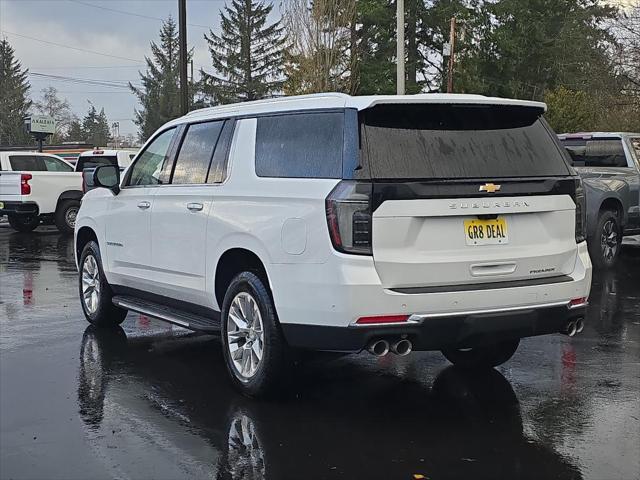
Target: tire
point(98, 309)
point(24, 223)
point(482, 357)
point(605, 244)
point(247, 294)
point(65, 216)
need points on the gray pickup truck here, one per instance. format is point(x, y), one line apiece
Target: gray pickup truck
point(609, 164)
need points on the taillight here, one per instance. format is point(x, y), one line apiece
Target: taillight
point(25, 188)
point(349, 217)
point(581, 221)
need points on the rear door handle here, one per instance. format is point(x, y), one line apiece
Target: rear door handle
point(144, 205)
point(194, 207)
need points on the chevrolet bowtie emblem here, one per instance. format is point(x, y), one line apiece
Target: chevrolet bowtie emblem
point(489, 188)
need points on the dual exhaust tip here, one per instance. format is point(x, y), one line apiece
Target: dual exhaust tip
point(381, 347)
point(574, 327)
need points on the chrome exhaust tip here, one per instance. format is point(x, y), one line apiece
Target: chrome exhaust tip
point(579, 325)
point(402, 347)
point(379, 348)
point(570, 329)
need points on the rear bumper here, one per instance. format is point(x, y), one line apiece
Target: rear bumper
point(19, 208)
point(321, 311)
point(435, 333)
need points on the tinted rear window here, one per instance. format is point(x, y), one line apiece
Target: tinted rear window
point(95, 161)
point(28, 163)
point(451, 141)
point(596, 152)
point(306, 145)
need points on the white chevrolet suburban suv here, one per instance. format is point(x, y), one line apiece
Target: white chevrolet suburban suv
point(38, 188)
point(338, 223)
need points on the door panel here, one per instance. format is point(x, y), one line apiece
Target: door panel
point(128, 249)
point(178, 231)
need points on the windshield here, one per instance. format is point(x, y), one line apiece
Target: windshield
point(459, 141)
point(95, 161)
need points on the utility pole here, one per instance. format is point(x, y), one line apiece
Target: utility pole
point(452, 46)
point(182, 37)
point(400, 46)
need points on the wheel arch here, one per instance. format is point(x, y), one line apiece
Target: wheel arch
point(233, 261)
point(83, 236)
point(614, 204)
point(69, 195)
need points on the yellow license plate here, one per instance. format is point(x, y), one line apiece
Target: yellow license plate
point(486, 232)
point(1, 205)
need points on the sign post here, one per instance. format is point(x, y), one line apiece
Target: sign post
point(40, 127)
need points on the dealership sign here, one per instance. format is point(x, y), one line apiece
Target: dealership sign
point(41, 124)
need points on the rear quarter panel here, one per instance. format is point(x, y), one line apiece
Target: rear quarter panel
point(46, 188)
point(282, 220)
point(601, 184)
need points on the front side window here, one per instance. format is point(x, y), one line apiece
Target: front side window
point(305, 145)
point(28, 163)
point(56, 165)
point(196, 151)
point(596, 152)
point(150, 164)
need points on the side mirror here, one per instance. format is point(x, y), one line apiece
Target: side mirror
point(107, 176)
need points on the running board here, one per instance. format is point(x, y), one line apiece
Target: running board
point(181, 318)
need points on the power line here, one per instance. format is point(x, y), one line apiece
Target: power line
point(72, 67)
point(84, 81)
point(124, 12)
point(69, 46)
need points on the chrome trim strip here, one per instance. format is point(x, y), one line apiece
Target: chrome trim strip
point(418, 318)
point(161, 316)
point(421, 316)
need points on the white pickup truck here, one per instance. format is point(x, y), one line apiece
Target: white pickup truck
point(38, 188)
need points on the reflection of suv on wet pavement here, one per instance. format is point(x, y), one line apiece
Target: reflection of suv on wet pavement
point(330, 222)
point(609, 164)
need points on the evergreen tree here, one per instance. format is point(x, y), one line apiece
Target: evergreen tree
point(376, 47)
point(160, 93)
point(247, 56)
point(75, 132)
point(14, 101)
point(95, 127)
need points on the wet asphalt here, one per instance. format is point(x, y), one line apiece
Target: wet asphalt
point(153, 401)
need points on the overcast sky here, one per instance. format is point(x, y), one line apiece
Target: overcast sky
point(92, 25)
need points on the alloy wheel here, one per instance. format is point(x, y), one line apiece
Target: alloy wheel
point(90, 284)
point(245, 336)
point(609, 240)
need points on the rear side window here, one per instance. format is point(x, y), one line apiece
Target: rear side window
point(95, 161)
point(196, 151)
point(53, 164)
point(596, 152)
point(459, 141)
point(28, 163)
point(306, 145)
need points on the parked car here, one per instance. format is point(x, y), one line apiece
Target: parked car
point(609, 164)
point(38, 188)
point(331, 222)
point(89, 160)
